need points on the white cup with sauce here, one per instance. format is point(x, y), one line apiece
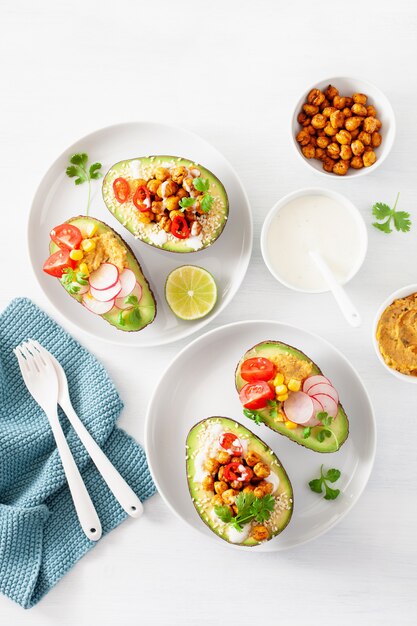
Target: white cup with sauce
point(313, 218)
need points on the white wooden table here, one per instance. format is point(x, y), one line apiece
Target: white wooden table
point(230, 71)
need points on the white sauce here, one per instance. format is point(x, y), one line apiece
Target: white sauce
point(236, 536)
point(195, 242)
point(158, 238)
point(274, 480)
point(135, 169)
point(313, 222)
point(163, 188)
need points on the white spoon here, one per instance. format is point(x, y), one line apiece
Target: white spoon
point(345, 303)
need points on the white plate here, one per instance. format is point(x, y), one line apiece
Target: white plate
point(57, 199)
point(205, 387)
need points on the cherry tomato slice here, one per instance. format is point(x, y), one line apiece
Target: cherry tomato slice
point(237, 471)
point(231, 443)
point(66, 236)
point(121, 189)
point(179, 227)
point(256, 395)
point(142, 198)
point(257, 368)
point(58, 262)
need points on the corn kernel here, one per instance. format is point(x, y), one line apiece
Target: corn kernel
point(283, 397)
point(280, 417)
point(88, 245)
point(84, 269)
point(278, 380)
point(91, 229)
point(290, 425)
point(294, 385)
point(76, 255)
point(281, 389)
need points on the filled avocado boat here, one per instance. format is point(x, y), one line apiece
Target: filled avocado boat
point(238, 485)
point(168, 202)
point(99, 270)
point(281, 387)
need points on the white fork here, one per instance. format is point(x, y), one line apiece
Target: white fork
point(42, 383)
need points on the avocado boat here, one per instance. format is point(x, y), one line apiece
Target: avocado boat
point(233, 474)
point(99, 270)
point(283, 388)
point(168, 202)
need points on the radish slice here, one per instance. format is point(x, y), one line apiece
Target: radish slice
point(82, 288)
point(329, 405)
point(104, 277)
point(299, 407)
point(120, 302)
point(325, 388)
point(318, 408)
point(128, 280)
point(104, 295)
point(93, 305)
point(314, 380)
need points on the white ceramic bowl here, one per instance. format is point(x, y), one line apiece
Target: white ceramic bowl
point(348, 86)
point(400, 293)
point(318, 191)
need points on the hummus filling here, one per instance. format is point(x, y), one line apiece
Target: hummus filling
point(107, 250)
point(397, 335)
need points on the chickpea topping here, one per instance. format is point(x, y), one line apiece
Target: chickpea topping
point(319, 121)
point(357, 147)
point(370, 124)
point(337, 119)
point(333, 150)
point(346, 153)
point(208, 483)
point(217, 500)
point(220, 486)
point(211, 465)
point(266, 486)
point(328, 111)
point(223, 457)
point(229, 496)
point(339, 102)
point(323, 142)
point(178, 174)
point(356, 163)
point(376, 139)
point(330, 131)
point(315, 97)
point(260, 532)
point(181, 193)
point(359, 109)
point(341, 167)
point(328, 164)
point(261, 470)
point(248, 489)
point(359, 98)
point(369, 158)
point(153, 185)
point(320, 153)
point(172, 203)
point(371, 111)
point(365, 138)
point(308, 151)
point(310, 109)
point(161, 173)
point(252, 458)
point(347, 112)
point(352, 123)
point(344, 137)
point(331, 92)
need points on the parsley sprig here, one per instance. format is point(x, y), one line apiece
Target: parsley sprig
point(249, 508)
point(203, 186)
point(78, 170)
point(324, 429)
point(387, 216)
point(331, 476)
point(70, 278)
point(253, 415)
point(132, 314)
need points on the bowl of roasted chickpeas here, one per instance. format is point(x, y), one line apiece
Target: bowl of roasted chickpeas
point(343, 127)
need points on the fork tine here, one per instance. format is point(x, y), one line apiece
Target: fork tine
point(30, 361)
point(21, 360)
point(36, 352)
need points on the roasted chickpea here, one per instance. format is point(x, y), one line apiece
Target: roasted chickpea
point(324, 104)
point(343, 137)
point(328, 111)
point(329, 130)
point(320, 153)
point(252, 458)
point(378, 123)
point(259, 492)
point(328, 164)
point(315, 97)
point(266, 486)
point(349, 102)
point(248, 488)
point(208, 483)
point(153, 185)
point(357, 147)
point(355, 133)
point(237, 459)
point(260, 532)
point(172, 203)
point(178, 174)
point(333, 150)
point(337, 119)
point(168, 188)
point(341, 167)
point(347, 112)
point(359, 98)
point(319, 121)
point(311, 130)
point(371, 111)
point(369, 124)
point(359, 109)
point(137, 182)
point(331, 92)
point(368, 157)
point(308, 151)
point(146, 217)
point(211, 465)
point(323, 142)
point(310, 109)
point(220, 473)
point(161, 173)
point(261, 470)
point(356, 163)
point(339, 102)
point(157, 207)
point(223, 457)
point(236, 484)
point(220, 486)
point(352, 123)
point(346, 152)
point(181, 193)
point(165, 223)
point(313, 141)
point(229, 496)
point(376, 139)
point(217, 500)
point(234, 509)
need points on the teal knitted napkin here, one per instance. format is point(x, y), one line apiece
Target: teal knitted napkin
point(40, 536)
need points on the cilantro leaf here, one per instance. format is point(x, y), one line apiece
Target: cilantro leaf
point(94, 171)
point(121, 319)
point(201, 185)
point(78, 170)
point(263, 507)
point(306, 432)
point(207, 202)
point(332, 475)
point(253, 415)
point(400, 219)
point(75, 170)
point(384, 226)
point(331, 494)
point(224, 513)
point(381, 210)
point(185, 203)
point(131, 299)
point(79, 158)
point(317, 484)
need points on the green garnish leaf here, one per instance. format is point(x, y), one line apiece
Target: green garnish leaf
point(201, 185)
point(306, 432)
point(80, 158)
point(317, 484)
point(185, 203)
point(131, 299)
point(253, 415)
point(82, 278)
point(94, 171)
point(78, 170)
point(207, 202)
point(320, 436)
point(249, 508)
point(224, 513)
point(135, 315)
point(400, 219)
point(273, 406)
point(121, 319)
point(263, 507)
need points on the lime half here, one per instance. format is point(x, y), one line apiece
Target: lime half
point(191, 292)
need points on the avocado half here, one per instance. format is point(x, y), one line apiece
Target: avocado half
point(274, 350)
point(126, 213)
point(201, 498)
point(147, 305)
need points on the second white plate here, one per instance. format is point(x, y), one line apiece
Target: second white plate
point(57, 199)
point(199, 383)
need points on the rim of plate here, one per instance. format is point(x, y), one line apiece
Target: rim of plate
point(243, 265)
point(223, 328)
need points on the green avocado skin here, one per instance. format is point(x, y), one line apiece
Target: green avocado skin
point(257, 445)
point(340, 425)
point(147, 304)
point(119, 210)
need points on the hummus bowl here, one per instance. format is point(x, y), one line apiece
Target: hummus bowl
point(404, 292)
